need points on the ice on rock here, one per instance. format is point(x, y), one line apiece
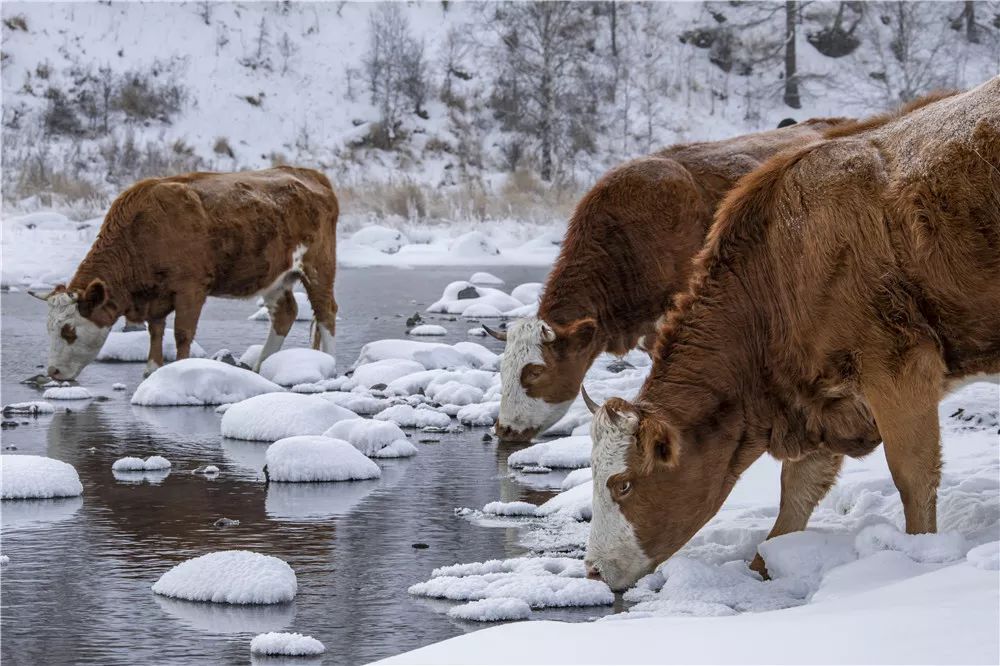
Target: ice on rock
point(131, 464)
point(478, 331)
point(197, 381)
point(565, 452)
point(483, 277)
point(230, 577)
point(359, 403)
point(941, 547)
point(528, 293)
point(372, 437)
point(483, 414)
point(986, 556)
point(274, 416)
point(118, 386)
point(133, 347)
point(510, 508)
point(67, 393)
point(298, 366)
point(407, 416)
point(384, 371)
point(428, 330)
point(318, 458)
point(459, 296)
point(24, 477)
point(498, 609)
point(286, 645)
point(30, 408)
point(304, 312)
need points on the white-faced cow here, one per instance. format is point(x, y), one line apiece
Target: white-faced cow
point(627, 251)
point(842, 290)
point(167, 244)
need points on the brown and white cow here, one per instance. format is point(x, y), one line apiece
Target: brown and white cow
point(167, 244)
point(843, 289)
point(627, 251)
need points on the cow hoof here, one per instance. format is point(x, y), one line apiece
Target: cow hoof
point(758, 566)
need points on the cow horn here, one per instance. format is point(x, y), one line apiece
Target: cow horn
point(40, 297)
point(587, 400)
point(499, 335)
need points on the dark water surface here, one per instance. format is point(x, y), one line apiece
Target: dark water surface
point(77, 588)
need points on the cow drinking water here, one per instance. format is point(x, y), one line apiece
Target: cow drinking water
point(167, 244)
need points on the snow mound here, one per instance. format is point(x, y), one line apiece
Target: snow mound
point(133, 347)
point(37, 477)
point(230, 577)
point(483, 277)
point(482, 311)
point(576, 477)
point(67, 393)
point(196, 381)
point(371, 437)
point(407, 416)
point(384, 371)
point(428, 330)
point(304, 310)
point(318, 458)
point(986, 556)
point(473, 244)
point(483, 414)
point(30, 408)
point(250, 356)
point(458, 296)
point(130, 464)
point(454, 393)
point(941, 547)
point(274, 416)
point(497, 609)
point(380, 238)
point(478, 332)
point(298, 366)
point(575, 503)
point(118, 386)
point(286, 644)
point(565, 452)
point(806, 554)
point(359, 403)
point(430, 355)
point(528, 293)
point(510, 509)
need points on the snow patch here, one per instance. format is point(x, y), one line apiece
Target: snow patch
point(286, 645)
point(231, 577)
point(274, 416)
point(318, 458)
point(196, 381)
point(298, 366)
point(37, 477)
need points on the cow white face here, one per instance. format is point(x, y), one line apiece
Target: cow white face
point(74, 340)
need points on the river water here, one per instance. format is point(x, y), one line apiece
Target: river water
point(77, 589)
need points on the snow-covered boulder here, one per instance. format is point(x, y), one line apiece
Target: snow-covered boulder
point(482, 414)
point(575, 503)
point(384, 371)
point(30, 408)
point(455, 393)
point(67, 393)
point(230, 577)
point(421, 382)
point(458, 296)
point(527, 293)
point(565, 452)
point(380, 238)
point(304, 310)
point(131, 464)
point(510, 509)
point(133, 347)
point(275, 644)
point(298, 366)
point(498, 609)
point(478, 332)
point(318, 458)
point(482, 311)
point(359, 403)
point(250, 356)
point(430, 355)
point(275, 416)
point(473, 244)
point(37, 477)
point(197, 381)
point(429, 330)
point(407, 416)
point(378, 439)
point(483, 277)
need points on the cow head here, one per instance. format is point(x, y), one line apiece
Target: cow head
point(654, 489)
point(79, 323)
point(541, 373)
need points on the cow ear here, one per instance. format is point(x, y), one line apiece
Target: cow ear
point(96, 305)
point(580, 331)
point(658, 444)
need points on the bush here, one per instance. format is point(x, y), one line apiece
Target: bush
point(222, 148)
point(16, 23)
point(60, 117)
point(141, 97)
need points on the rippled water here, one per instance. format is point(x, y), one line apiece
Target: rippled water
point(77, 588)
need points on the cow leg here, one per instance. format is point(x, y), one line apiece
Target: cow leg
point(318, 280)
point(187, 311)
point(282, 310)
point(155, 359)
point(804, 482)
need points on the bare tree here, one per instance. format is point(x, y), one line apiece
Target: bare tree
point(791, 73)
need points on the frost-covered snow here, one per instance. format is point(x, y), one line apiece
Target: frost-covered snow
point(359, 403)
point(429, 330)
point(232, 577)
point(37, 477)
point(430, 355)
point(407, 416)
point(384, 371)
point(131, 464)
point(197, 381)
point(273, 416)
point(29, 408)
point(510, 508)
point(378, 439)
point(572, 452)
point(482, 414)
point(298, 366)
point(118, 386)
point(482, 277)
point(303, 313)
point(133, 347)
point(286, 645)
point(67, 393)
point(459, 296)
point(528, 293)
point(496, 609)
point(318, 458)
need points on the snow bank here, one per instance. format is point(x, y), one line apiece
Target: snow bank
point(407, 416)
point(67, 393)
point(941, 547)
point(298, 366)
point(286, 644)
point(575, 503)
point(273, 416)
point(231, 577)
point(428, 330)
point(197, 381)
point(565, 452)
point(492, 610)
point(379, 439)
point(473, 244)
point(318, 458)
point(382, 239)
point(133, 347)
point(986, 556)
point(37, 477)
point(576, 477)
point(130, 464)
point(304, 310)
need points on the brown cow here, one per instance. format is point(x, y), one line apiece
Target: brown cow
point(842, 290)
point(627, 251)
point(168, 243)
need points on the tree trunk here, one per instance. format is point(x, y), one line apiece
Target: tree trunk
point(791, 76)
point(971, 35)
point(614, 28)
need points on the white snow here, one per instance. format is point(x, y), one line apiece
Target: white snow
point(482, 414)
point(986, 556)
point(407, 416)
point(482, 277)
point(359, 403)
point(528, 293)
point(67, 393)
point(571, 452)
point(37, 477)
point(30, 408)
point(430, 355)
point(383, 239)
point(373, 438)
point(510, 508)
point(318, 458)
point(303, 313)
point(454, 393)
point(298, 366)
point(482, 311)
point(197, 381)
point(384, 371)
point(496, 609)
point(430, 330)
point(118, 386)
point(286, 645)
point(133, 347)
point(459, 296)
point(131, 464)
point(576, 477)
point(250, 356)
point(477, 331)
point(273, 416)
point(232, 577)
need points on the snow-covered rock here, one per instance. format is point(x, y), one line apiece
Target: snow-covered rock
point(133, 347)
point(274, 416)
point(380, 238)
point(318, 458)
point(67, 393)
point(510, 508)
point(482, 277)
point(231, 577)
point(298, 366)
point(384, 371)
point(461, 295)
point(477, 331)
point(496, 609)
point(407, 416)
point(372, 437)
point(482, 311)
point(575, 503)
point(565, 452)
point(196, 381)
point(483, 414)
point(454, 393)
point(429, 330)
point(359, 403)
point(576, 477)
point(304, 311)
point(286, 645)
point(528, 293)
point(37, 477)
point(118, 386)
point(473, 244)
point(131, 464)
point(430, 355)
point(30, 408)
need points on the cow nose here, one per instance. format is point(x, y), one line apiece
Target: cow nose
point(508, 434)
point(53, 372)
point(593, 573)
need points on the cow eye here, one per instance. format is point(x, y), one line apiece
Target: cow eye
point(624, 488)
point(68, 333)
point(532, 372)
